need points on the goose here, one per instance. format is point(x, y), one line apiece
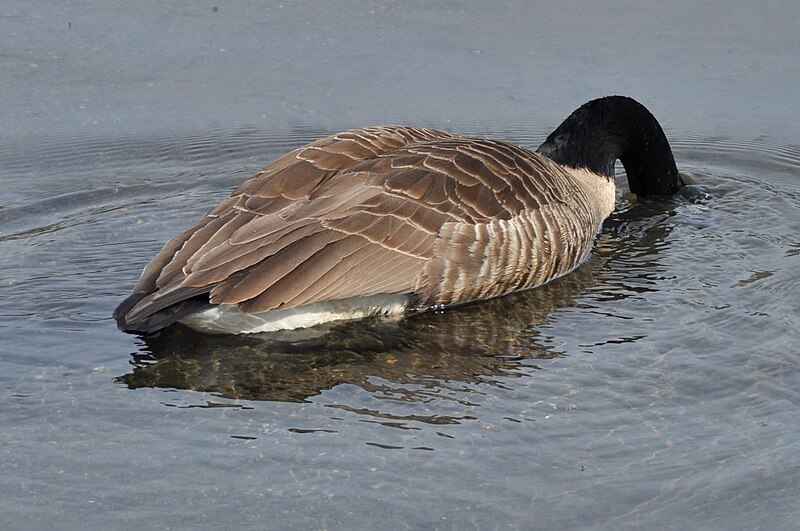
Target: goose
point(391, 220)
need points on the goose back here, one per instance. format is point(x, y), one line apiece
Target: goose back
point(435, 217)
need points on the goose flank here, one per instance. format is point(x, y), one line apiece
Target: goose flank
point(392, 219)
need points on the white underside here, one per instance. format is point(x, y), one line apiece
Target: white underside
point(228, 319)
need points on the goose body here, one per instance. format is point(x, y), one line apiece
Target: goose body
point(391, 219)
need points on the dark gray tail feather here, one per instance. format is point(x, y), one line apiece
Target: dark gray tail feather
point(159, 319)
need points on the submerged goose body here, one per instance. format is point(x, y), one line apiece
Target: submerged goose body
point(391, 219)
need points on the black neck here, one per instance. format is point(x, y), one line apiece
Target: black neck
point(611, 128)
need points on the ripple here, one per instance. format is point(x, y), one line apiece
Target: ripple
point(89, 153)
point(664, 367)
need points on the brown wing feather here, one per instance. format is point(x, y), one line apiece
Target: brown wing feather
point(369, 211)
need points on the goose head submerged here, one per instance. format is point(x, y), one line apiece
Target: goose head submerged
point(392, 219)
point(613, 128)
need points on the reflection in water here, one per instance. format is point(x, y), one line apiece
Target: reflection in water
point(424, 353)
point(632, 240)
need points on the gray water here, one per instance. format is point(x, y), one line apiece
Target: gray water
point(655, 386)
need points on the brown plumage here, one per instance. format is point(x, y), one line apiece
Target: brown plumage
point(433, 217)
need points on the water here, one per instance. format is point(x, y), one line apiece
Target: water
point(655, 386)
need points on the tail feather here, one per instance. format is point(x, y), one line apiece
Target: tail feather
point(152, 318)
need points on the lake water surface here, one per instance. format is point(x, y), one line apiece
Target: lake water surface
point(657, 386)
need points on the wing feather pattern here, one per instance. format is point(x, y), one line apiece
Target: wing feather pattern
point(438, 217)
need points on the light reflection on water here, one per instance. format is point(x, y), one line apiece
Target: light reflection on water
point(653, 381)
point(656, 387)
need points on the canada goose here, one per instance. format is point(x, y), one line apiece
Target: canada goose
point(391, 219)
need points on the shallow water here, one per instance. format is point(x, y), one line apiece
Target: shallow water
point(655, 386)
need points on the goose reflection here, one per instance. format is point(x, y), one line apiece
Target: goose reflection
point(420, 354)
point(634, 239)
point(469, 344)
